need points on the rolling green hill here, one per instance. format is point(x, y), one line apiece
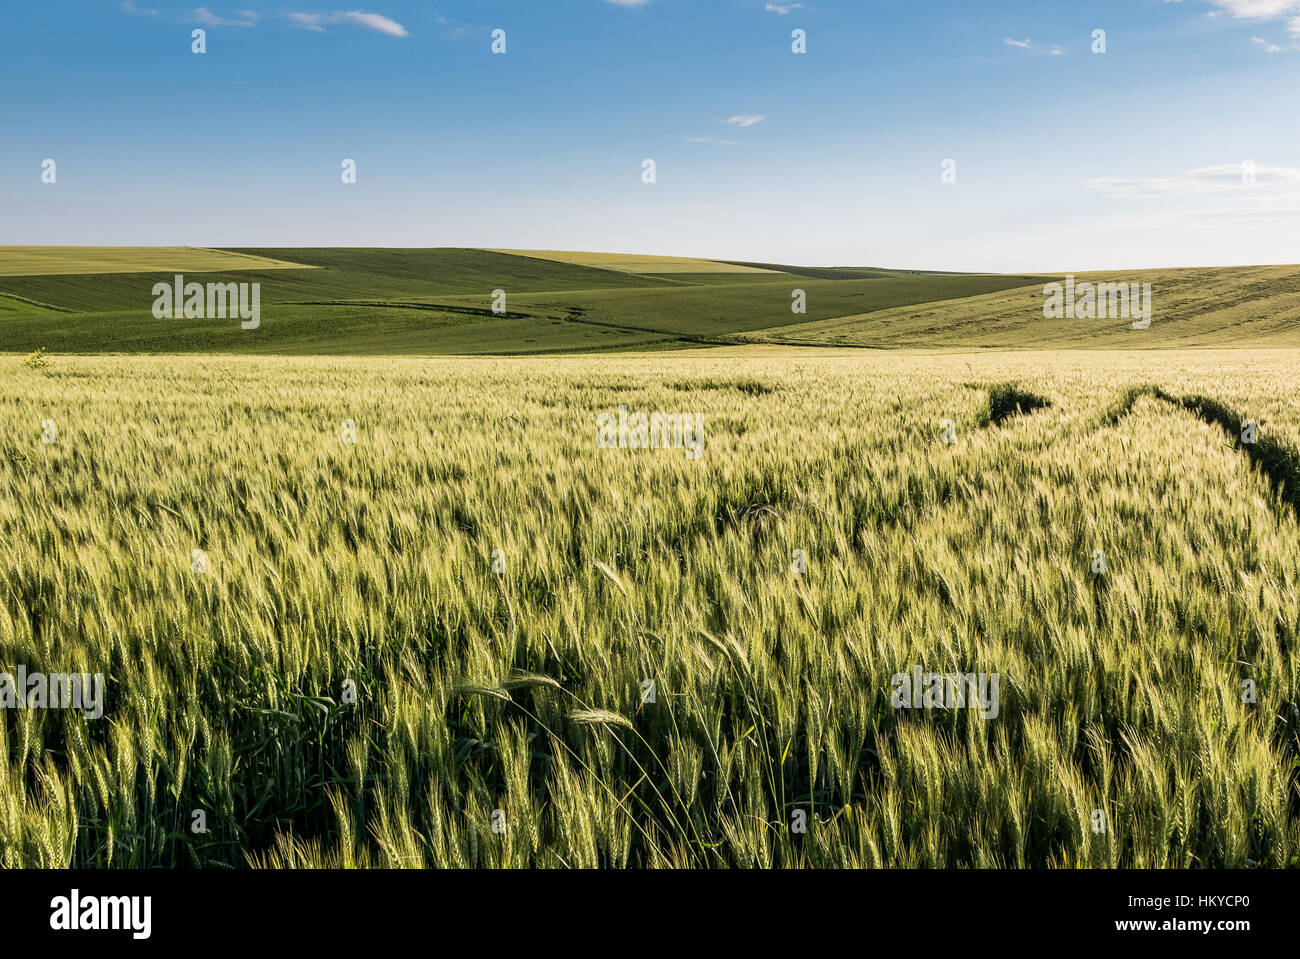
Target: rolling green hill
point(16, 307)
point(1229, 306)
point(840, 272)
point(378, 301)
point(643, 264)
point(722, 310)
point(349, 274)
point(439, 301)
point(355, 330)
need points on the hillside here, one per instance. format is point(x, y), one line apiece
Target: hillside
point(73, 260)
point(1228, 306)
point(440, 301)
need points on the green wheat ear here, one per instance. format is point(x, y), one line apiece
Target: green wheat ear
point(518, 680)
point(599, 716)
point(469, 689)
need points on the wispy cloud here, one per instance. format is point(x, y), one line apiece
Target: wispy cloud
point(130, 7)
point(356, 18)
point(731, 143)
point(243, 18)
point(1258, 9)
point(1288, 10)
point(1263, 201)
point(783, 8)
point(745, 120)
point(1211, 179)
point(1027, 44)
point(1263, 11)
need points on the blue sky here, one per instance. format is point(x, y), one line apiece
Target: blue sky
point(1065, 159)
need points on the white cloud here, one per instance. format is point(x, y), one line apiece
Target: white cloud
point(357, 18)
point(1265, 10)
point(711, 140)
point(783, 8)
point(308, 21)
point(1211, 179)
point(130, 7)
point(1288, 10)
point(1258, 9)
point(1027, 44)
point(244, 18)
point(745, 120)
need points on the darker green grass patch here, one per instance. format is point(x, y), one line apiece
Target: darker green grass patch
point(750, 387)
point(1127, 399)
point(1007, 400)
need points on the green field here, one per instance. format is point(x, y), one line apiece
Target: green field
point(1234, 306)
point(431, 302)
point(73, 260)
point(432, 607)
point(334, 275)
point(14, 307)
point(369, 566)
point(640, 263)
point(438, 302)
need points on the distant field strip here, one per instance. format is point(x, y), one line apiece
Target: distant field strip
point(114, 312)
point(19, 307)
point(843, 272)
point(356, 297)
point(352, 274)
point(74, 260)
point(720, 311)
point(1230, 306)
point(637, 262)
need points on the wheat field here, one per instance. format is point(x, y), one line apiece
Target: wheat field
point(23, 261)
point(638, 262)
point(436, 624)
